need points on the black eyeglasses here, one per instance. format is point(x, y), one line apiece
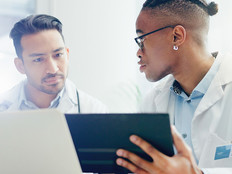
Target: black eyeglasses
point(139, 40)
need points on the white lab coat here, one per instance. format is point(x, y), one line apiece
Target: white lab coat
point(212, 121)
point(68, 103)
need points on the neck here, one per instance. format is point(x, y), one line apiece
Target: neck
point(39, 98)
point(190, 74)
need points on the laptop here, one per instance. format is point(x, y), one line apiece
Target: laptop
point(36, 142)
point(97, 137)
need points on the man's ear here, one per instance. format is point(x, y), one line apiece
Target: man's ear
point(19, 65)
point(179, 35)
point(67, 50)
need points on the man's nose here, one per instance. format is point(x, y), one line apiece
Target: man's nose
point(52, 67)
point(139, 53)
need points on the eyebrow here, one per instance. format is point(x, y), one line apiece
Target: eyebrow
point(42, 54)
point(59, 49)
point(139, 31)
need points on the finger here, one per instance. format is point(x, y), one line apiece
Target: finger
point(135, 159)
point(182, 148)
point(159, 158)
point(130, 166)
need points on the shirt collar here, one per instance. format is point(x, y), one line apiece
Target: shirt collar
point(205, 82)
point(24, 103)
point(55, 102)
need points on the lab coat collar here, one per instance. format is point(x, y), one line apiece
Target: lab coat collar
point(215, 90)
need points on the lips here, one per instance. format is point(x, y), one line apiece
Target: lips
point(51, 80)
point(142, 66)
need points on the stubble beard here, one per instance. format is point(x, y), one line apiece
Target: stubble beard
point(53, 88)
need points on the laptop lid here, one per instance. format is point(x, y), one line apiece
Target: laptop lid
point(37, 142)
point(97, 137)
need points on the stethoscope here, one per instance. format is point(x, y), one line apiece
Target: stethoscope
point(78, 102)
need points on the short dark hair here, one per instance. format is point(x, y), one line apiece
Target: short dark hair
point(192, 14)
point(33, 24)
point(211, 8)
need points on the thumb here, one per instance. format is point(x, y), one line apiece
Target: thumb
point(183, 149)
point(181, 146)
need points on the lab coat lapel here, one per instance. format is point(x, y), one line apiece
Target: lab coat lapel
point(165, 101)
point(65, 105)
point(161, 101)
point(213, 94)
point(216, 91)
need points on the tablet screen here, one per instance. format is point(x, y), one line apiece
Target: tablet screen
point(97, 137)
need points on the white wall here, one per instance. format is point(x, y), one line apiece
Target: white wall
point(100, 36)
point(220, 34)
point(103, 59)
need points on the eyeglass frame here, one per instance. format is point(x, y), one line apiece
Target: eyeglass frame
point(140, 44)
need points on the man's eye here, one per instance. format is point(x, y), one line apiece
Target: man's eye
point(142, 39)
point(59, 54)
point(38, 60)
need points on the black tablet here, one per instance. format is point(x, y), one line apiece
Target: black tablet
point(97, 137)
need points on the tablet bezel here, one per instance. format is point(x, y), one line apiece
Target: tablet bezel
point(97, 137)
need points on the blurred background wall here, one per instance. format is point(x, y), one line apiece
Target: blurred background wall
point(100, 35)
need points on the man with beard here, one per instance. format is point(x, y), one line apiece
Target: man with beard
point(44, 59)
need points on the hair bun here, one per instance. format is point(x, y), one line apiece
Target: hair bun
point(212, 8)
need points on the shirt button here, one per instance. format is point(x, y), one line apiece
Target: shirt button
point(184, 135)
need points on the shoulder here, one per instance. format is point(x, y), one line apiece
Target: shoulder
point(91, 104)
point(225, 61)
point(10, 97)
point(4, 105)
point(88, 103)
point(223, 76)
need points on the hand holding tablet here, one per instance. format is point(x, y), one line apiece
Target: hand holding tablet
point(97, 137)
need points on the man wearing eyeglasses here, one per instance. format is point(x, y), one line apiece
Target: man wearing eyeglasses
point(197, 93)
